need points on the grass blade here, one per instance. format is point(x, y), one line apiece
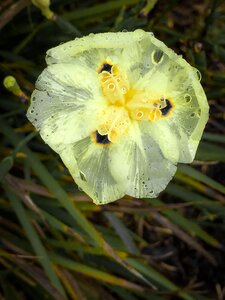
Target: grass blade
point(34, 239)
point(52, 184)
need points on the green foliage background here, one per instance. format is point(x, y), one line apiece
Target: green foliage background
point(54, 242)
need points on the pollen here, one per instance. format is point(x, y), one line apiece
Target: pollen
point(124, 104)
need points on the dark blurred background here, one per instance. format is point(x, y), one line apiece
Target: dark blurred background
point(54, 242)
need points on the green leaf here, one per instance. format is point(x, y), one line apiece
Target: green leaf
point(199, 176)
point(52, 184)
point(35, 241)
point(5, 166)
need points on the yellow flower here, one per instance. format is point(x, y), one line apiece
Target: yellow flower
point(122, 110)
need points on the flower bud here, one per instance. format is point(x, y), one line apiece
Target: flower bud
point(11, 85)
point(43, 5)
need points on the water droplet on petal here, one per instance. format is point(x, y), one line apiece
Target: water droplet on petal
point(157, 56)
point(187, 98)
point(82, 176)
point(199, 75)
point(123, 90)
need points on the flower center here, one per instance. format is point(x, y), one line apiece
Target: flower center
point(124, 104)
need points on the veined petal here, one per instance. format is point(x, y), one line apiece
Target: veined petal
point(110, 41)
point(144, 61)
point(89, 164)
point(122, 110)
point(178, 134)
point(139, 164)
point(65, 104)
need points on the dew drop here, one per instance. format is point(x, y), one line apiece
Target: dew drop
point(138, 31)
point(187, 98)
point(157, 56)
point(80, 189)
point(123, 90)
point(199, 75)
point(111, 86)
point(82, 58)
point(139, 115)
point(82, 176)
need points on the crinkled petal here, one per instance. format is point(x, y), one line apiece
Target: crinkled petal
point(140, 165)
point(69, 51)
point(144, 60)
point(65, 104)
point(68, 106)
point(179, 133)
point(178, 137)
point(89, 165)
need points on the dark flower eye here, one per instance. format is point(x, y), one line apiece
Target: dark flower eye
point(105, 67)
point(166, 110)
point(101, 139)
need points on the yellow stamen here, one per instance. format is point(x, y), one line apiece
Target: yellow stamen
point(114, 122)
point(114, 85)
point(125, 104)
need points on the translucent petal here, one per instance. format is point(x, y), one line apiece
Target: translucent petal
point(171, 77)
point(178, 136)
point(115, 41)
point(89, 165)
point(68, 106)
point(65, 104)
point(143, 61)
point(139, 163)
point(179, 133)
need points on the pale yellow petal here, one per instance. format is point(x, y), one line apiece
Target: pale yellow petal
point(65, 104)
point(89, 164)
point(140, 165)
